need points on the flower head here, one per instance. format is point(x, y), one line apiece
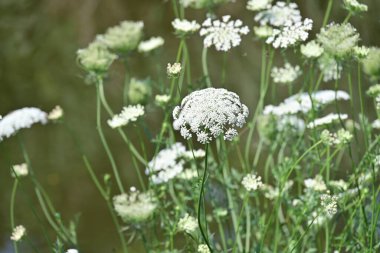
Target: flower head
point(252, 182)
point(173, 70)
point(96, 57)
point(135, 206)
point(203, 248)
point(371, 64)
point(336, 139)
point(184, 27)
point(56, 113)
point(72, 251)
point(150, 45)
point(329, 67)
point(258, 5)
point(223, 34)
point(18, 233)
point(263, 31)
point(280, 14)
point(139, 91)
point(200, 4)
point(354, 6)
point(128, 114)
point(311, 49)
point(20, 170)
point(326, 120)
point(329, 204)
point(19, 119)
point(209, 113)
point(287, 74)
point(315, 184)
point(124, 37)
point(338, 40)
point(188, 224)
point(361, 52)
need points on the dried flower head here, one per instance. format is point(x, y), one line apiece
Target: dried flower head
point(188, 224)
point(19, 119)
point(184, 27)
point(18, 233)
point(338, 40)
point(124, 37)
point(56, 113)
point(209, 113)
point(150, 45)
point(258, 5)
point(326, 120)
point(252, 182)
point(174, 70)
point(223, 34)
point(286, 75)
point(139, 91)
point(311, 49)
point(129, 114)
point(19, 170)
point(96, 58)
point(135, 206)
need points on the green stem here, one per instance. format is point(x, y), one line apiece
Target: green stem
point(327, 13)
point(12, 212)
point(204, 67)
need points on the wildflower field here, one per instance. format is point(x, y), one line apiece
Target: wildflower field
point(202, 126)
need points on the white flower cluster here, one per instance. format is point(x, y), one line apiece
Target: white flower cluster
point(209, 113)
point(286, 75)
point(361, 52)
point(56, 113)
point(11, 123)
point(173, 70)
point(162, 99)
point(135, 206)
point(326, 120)
point(311, 49)
point(184, 27)
point(289, 28)
point(20, 170)
point(329, 204)
point(354, 6)
point(329, 67)
point(252, 182)
point(18, 233)
point(128, 114)
point(203, 248)
point(188, 224)
point(335, 139)
point(72, 251)
point(315, 184)
point(258, 5)
point(223, 34)
point(170, 162)
point(150, 45)
point(304, 102)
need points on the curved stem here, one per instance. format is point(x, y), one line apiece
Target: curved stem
point(12, 208)
point(200, 206)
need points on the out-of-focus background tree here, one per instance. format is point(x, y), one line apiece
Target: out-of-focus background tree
point(39, 39)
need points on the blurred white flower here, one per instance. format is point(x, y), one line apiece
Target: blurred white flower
point(329, 67)
point(188, 224)
point(173, 70)
point(258, 5)
point(209, 113)
point(252, 182)
point(341, 137)
point(129, 114)
point(203, 248)
point(376, 124)
point(184, 27)
point(354, 6)
point(150, 45)
point(326, 120)
point(311, 49)
point(287, 74)
point(72, 251)
point(280, 14)
point(11, 123)
point(263, 31)
point(315, 184)
point(361, 52)
point(56, 113)
point(135, 206)
point(162, 99)
point(18, 233)
point(290, 35)
point(329, 204)
point(124, 37)
point(223, 34)
point(20, 170)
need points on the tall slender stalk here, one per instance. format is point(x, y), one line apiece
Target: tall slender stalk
point(12, 211)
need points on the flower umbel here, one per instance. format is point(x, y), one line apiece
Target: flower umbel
point(18, 233)
point(209, 113)
point(287, 74)
point(20, 170)
point(128, 114)
point(184, 27)
point(252, 182)
point(150, 45)
point(223, 34)
point(188, 224)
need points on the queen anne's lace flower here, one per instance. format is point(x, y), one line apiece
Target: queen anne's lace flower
point(184, 27)
point(223, 34)
point(312, 49)
point(18, 233)
point(203, 248)
point(354, 6)
point(128, 114)
point(188, 224)
point(315, 184)
point(341, 137)
point(263, 31)
point(135, 206)
point(258, 5)
point(281, 14)
point(338, 40)
point(287, 74)
point(252, 182)
point(20, 170)
point(150, 45)
point(124, 37)
point(19, 119)
point(302, 102)
point(96, 57)
point(290, 35)
point(329, 67)
point(209, 113)
point(329, 204)
point(371, 64)
point(328, 119)
point(361, 52)
point(56, 113)
point(173, 70)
